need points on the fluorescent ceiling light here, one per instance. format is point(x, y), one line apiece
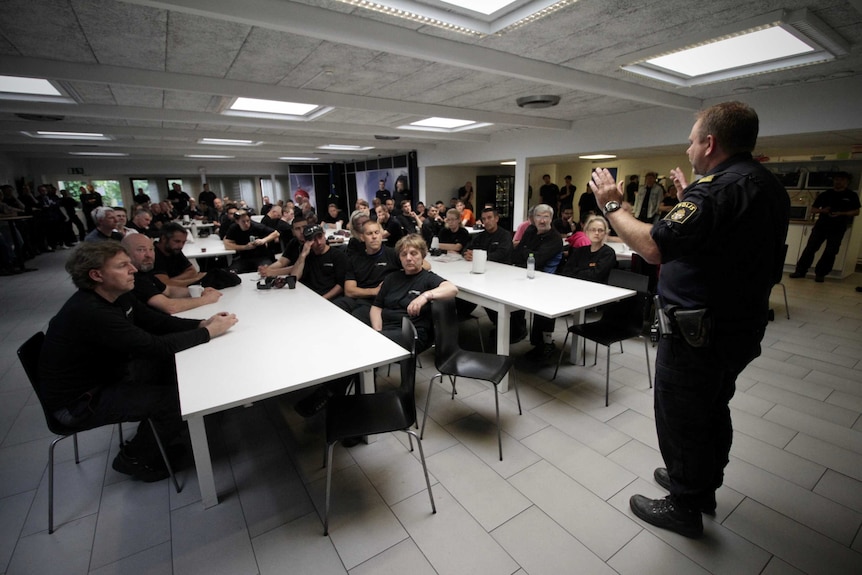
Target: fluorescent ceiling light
point(272, 107)
point(227, 142)
point(509, 163)
point(33, 86)
point(209, 156)
point(298, 159)
point(436, 124)
point(776, 41)
point(472, 17)
point(345, 147)
point(598, 157)
point(105, 154)
point(47, 135)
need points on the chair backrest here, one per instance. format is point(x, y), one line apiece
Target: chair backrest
point(28, 355)
point(445, 330)
point(407, 390)
point(631, 310)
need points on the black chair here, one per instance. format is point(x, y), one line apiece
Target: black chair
point(382, 412)
point(620, 320)
point(28, 354)
point(453, 361)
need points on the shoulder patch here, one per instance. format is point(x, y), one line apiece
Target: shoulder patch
point(681, 212)
point(706, 179)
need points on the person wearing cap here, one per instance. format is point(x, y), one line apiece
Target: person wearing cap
point(320, 267)
point(837, 208)
point(250, 253)
point(284, 263)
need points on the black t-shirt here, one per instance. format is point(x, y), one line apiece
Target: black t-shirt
point(147, 285)
point(447, 236)
point(547, 248)
point(585, 264)
point(242, 237)
point(172, 265)
point(844, 201)
point(292, 251)
point(339, 217)
point(430, 229)
point(498, 245)
point(396, 293)
point(324, 272)
point(396, 232)
point(588, 203)
point(550, 194)
point(369, 270)
point(207, 198)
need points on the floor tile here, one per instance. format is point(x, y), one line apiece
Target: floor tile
point(648, 555)
point(13, 513)
point(404, 557)
point(599, 436)
point(818, 428)
point(64, 552)
point(392, 469)
point(153, 561)
point(297, 547)
point(841, 489)
point(479, 435)
point(827, 454)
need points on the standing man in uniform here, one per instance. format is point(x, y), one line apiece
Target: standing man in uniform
point(715, 293)
point(837, 208)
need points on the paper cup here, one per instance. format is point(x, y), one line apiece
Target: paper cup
point(196, 291)
point(480, 258)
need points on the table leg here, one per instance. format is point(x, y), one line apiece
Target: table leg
point(575, 352)
point(203, 462)
point(503, 328)
point(366, 385)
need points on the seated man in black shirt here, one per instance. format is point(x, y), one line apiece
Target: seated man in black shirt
point(392, 230)
point(365, 273)
point(408, 218)
point(332, 217)
point(284, 264)
point(453, 236)
point(109, 358)
point(151, 291)
point(172, 267)
point(250, 240)
point(432, 225)
point(494, 240)
point(321, 267)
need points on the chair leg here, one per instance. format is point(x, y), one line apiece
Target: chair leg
point(499, 433)
point(120, 433)
point(608, 377)
point(51, 482)
point(328, 489)
point(452, 380)
point(648, 369)
point(428, 403)
point(562, 351)
point(75, 443)
point(517, 394)
point(786, 307)
point(164, 455)
point(412, 434)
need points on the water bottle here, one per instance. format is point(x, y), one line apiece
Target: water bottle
point(531, 267)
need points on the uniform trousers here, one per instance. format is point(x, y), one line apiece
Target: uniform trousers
point(833, 238)
point(693, 387)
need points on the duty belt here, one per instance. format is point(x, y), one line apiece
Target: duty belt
point(692, 325)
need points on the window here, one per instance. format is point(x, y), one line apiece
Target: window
point(109, 189)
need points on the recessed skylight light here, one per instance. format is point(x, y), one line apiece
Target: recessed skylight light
point(34, 86)
point(298, 159)
point(272, 107)
point(43, 134)
point(227, 142)
point(486, 7)
point(345, 147)
point(101, 154)
point(776, 41)
point(598, 157)
point(436, 124)
point(209, 156)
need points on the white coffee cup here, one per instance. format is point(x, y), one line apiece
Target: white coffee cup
point(196, 291)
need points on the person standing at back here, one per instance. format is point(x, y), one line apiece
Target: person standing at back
point(714, 290)
point(836, 208)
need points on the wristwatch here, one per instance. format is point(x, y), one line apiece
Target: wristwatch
point(612, 206)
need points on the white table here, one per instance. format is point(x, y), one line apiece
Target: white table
point(505, 288)
point(212, 377)
point(213, 245)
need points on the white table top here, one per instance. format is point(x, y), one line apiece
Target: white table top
point(213, 244)
point(547, 294)
point(228, 371)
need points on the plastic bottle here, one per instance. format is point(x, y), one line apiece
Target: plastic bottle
point(531, 267)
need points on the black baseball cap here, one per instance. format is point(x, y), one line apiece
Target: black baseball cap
point(311, 231)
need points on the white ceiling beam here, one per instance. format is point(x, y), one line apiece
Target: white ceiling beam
point(367, 33)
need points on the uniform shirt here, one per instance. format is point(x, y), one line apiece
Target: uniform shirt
point(172, 265)
point(324, 272)
point(147, 285)
point(369, 270)
point(723, 244)
point(242, 237)
point(430, 229)
point(396, 232)
point(91, 342)
point(550, 194)
point(498, 245)
point(396, 293)
point(447, 236)
point(845, 201)
point(292, 250)
point(589, 265)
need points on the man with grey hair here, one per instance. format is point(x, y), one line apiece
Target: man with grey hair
point(108, 358)
point(106, 223)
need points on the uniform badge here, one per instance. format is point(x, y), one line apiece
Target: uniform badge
point(681, 212)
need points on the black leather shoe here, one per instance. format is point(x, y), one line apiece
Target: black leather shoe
point(662, 478)
point(819, 279)
point(665, 514)
point(138, 469)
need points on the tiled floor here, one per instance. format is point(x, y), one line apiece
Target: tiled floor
point(558, 503)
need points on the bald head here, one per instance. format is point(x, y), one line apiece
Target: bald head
point(140, 249)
